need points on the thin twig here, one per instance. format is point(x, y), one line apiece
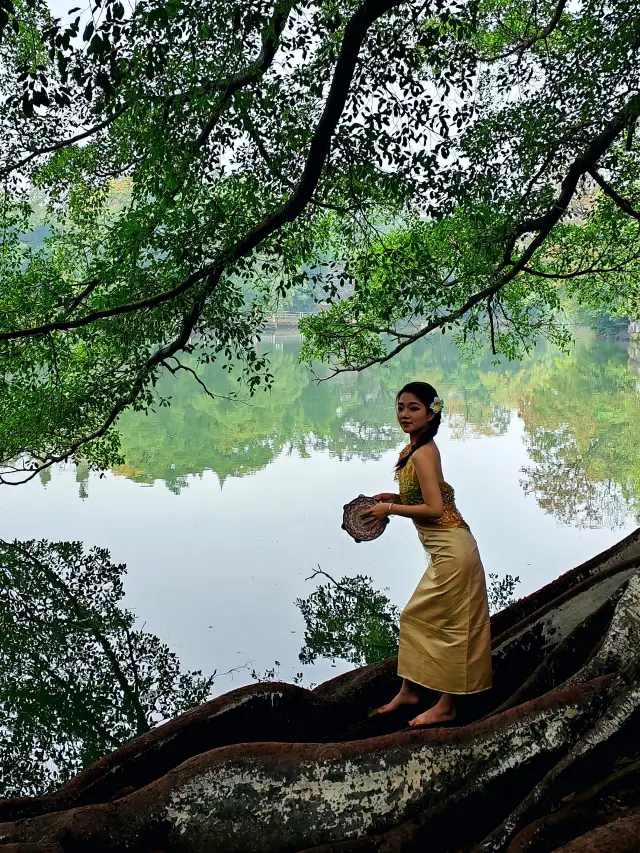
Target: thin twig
point(491, 325)
point(192, 372)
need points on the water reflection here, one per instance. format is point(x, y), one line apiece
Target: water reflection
point(77, 676)
point(582, 419)
point(217, 574)
point(581, 414)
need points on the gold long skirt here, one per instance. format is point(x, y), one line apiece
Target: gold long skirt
point(445, 633)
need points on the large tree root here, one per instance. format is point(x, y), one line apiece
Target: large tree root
point(260, 712)
point(595, 806)
point(316, 776)
point(623, 836)
point(520, 651)
point(619, 651)
point(570, 655)
point(299, 795)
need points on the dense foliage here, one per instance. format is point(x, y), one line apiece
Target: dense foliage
point(77, 677)
point(189, 164)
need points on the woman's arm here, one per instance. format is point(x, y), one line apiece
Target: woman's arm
point(416, 512)
point(425, 463)
point(388, 497)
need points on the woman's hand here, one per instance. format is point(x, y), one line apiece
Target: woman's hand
point(377, 512)
point(387, 497)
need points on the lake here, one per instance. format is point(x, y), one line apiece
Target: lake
point(224, 509)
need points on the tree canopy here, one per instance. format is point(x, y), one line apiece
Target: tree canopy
point(187, 165)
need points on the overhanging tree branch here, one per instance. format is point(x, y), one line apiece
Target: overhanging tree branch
point(228, 85)
point(271, 39)
point(543, 225)
point(577, 273)
point(179, 366)
point(527, 43)
point(354, 36)
point(117, 311)
point(64, 143)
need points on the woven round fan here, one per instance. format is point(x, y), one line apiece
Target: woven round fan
point(362, 529)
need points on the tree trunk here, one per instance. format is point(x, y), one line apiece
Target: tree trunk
point(549, 759)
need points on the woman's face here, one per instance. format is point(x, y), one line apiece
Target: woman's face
point(413, 415)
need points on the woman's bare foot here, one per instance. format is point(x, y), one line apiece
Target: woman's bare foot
point(403, 697)
point(444, 711)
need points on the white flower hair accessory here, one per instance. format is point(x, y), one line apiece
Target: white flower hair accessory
point(437, 405)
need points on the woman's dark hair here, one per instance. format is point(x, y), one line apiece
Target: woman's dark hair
point(426, 394)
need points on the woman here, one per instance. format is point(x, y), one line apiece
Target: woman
point(445, 636)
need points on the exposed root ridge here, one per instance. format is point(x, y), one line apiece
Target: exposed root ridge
point(621, 836)
point(580, 813)
point(610, 722)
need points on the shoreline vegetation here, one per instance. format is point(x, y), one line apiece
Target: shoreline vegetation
point(603, 326)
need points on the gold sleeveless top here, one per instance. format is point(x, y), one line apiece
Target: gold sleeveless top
point(411, 495)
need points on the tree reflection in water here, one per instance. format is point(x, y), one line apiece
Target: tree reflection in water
point(582, 420)
point(349, 619)
point(77, 677)
point(581, 415)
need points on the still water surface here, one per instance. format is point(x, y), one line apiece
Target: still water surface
point(224, 509)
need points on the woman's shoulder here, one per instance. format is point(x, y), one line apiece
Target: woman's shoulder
point(428, 452)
